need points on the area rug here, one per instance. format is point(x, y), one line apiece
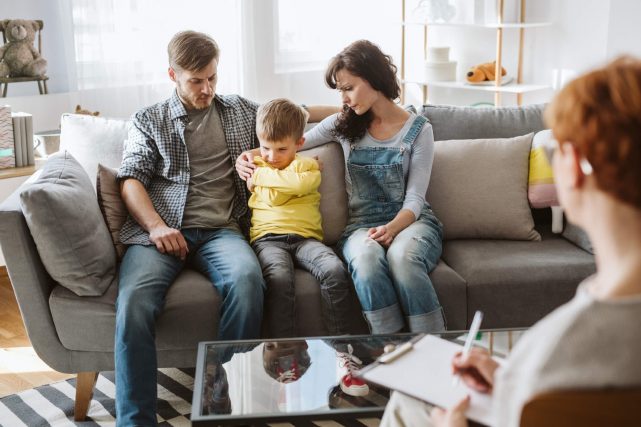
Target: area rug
point(52, 405)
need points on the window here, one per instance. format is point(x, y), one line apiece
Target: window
point(311, 32)
point(124, 42)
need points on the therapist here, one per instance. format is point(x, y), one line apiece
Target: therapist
point(594, 340)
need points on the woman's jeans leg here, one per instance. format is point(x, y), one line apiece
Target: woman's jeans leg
point(145, 276)
point(226, 258)
point(367, 263)
point(412, 255)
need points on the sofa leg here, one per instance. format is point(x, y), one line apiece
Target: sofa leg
point(85, 382)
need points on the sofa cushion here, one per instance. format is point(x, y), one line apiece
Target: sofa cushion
point(541, 191)
point(516, 283)
point(111, 205)
point(190, 315)
point(451, 290)
point(333, 204)
point(478, 188)
point(93, 140)
point(64, 219)
point(453, 122)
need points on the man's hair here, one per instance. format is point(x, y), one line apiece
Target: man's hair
point(191, 51)
point(600, 114)
point(280, 119)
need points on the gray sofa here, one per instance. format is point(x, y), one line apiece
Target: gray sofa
point(515, 282)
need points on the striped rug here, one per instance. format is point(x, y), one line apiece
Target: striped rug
point(52, 405)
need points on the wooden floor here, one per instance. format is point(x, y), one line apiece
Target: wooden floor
point(20, 367)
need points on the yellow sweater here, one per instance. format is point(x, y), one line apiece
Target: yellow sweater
point(286, 201)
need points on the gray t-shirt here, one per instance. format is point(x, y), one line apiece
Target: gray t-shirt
point(211, 184)
point(417, 167)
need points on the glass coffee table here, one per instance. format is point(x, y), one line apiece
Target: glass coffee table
point(300, 379)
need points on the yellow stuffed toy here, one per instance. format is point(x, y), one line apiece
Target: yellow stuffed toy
point(483, 72)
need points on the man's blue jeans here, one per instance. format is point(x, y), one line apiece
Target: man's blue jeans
point(226, 258)
point(392, 284)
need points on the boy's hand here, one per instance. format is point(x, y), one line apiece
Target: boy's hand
point(320, 162)
point(250, 184)
point(245, 165)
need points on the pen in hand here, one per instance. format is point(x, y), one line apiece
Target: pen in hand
point(474, 330)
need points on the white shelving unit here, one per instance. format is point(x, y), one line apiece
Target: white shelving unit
point(518, 87)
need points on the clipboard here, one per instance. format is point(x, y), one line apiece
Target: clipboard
point(423, 370)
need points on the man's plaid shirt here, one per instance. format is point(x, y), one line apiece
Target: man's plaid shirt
point(155, 154)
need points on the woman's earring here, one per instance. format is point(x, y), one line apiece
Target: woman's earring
point(586, 167)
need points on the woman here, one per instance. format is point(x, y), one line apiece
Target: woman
point(592, 341)
point(392, 240)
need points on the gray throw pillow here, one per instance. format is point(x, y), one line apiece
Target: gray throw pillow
point(478, 188)
point(63, 216)
point(576, 235)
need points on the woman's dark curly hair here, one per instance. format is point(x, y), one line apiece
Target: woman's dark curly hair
point(365, 60)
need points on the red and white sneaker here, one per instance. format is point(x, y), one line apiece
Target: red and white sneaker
point(350, 384)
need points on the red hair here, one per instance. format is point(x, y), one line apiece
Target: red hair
point(600, 114)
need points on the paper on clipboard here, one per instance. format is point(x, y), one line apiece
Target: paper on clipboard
point(426, 374)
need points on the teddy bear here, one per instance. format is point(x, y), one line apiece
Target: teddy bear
point(80, 110)
point(483, 72)
point(18, 57)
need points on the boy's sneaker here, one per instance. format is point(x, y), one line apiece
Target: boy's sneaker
point(349, 383)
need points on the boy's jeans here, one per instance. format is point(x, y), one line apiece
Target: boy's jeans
point(222, 255)
point(278, 256)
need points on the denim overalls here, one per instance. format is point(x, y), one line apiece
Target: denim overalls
point(393, 283)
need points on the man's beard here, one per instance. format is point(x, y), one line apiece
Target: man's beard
point(193, 103)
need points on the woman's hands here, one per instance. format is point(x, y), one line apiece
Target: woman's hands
point(382, 234)
point(477, 371)
point(245, 164)
point(453, 417)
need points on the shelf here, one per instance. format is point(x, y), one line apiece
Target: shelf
point(508, 88)
point(471, 25)
point(15, 172)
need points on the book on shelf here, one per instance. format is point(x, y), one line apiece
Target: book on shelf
point(17, 140)
point(23, 138)
point(7, 145)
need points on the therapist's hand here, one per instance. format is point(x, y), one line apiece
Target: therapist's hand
point(453, 417)
point(245, 165)
point(477, 369)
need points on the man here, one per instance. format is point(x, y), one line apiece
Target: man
point(187, 206)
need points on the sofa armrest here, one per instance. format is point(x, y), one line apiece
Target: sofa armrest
point(31, 282)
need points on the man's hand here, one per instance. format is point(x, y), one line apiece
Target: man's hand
point(245, 165)
point(477, 369)
point(382, 234)
point(169, 240)
point(453, 417)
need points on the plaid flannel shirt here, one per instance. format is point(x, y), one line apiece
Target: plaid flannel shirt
point(155, 154)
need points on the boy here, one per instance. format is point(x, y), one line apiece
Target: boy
point(286, 223)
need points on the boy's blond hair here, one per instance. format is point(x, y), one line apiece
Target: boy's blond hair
point(279, 119)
